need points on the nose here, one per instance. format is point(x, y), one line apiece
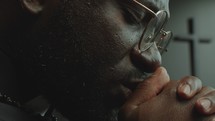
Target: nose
point(147, 61)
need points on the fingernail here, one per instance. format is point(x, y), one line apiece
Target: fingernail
point(186, 89)
point(205, 103)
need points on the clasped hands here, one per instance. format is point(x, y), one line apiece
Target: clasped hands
point(159, 99)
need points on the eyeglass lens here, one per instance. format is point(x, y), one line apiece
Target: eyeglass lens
point(154, 33)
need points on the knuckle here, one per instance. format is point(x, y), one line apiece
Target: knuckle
point(206, 89)
point(191, 80)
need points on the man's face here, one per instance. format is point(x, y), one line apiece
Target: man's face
point(91, 44)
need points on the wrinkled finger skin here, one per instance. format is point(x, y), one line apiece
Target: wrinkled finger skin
point(206, 104)
point(167, 106)
point(188, 87)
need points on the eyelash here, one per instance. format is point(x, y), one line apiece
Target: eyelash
point(133, 17)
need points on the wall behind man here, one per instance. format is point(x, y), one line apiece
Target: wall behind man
point(177, 59)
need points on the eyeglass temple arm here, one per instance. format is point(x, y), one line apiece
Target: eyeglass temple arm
point(152, 12)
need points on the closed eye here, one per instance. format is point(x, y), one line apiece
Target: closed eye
point(135, 16)
point(131, 15)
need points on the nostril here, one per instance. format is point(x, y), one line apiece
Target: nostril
point(147, 61)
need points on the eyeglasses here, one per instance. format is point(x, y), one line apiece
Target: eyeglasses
point(154, 32)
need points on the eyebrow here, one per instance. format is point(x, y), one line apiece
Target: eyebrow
point(148, 4)
point(145, 7)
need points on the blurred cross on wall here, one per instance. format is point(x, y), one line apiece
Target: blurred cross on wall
point(192, 50)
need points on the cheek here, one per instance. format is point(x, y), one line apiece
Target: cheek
point(122, 36)
point(105, 39)
point(108, 38)
point(129, 34)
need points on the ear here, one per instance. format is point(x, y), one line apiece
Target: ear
point(33, 6)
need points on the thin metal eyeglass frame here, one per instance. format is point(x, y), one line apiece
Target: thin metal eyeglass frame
point(161, 31)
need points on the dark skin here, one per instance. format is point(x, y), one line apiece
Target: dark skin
point(60, 48)
point(149, 107)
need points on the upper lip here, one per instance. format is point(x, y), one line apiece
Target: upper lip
point(132, 82)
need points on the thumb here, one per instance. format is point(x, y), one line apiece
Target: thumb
point(148, 89)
